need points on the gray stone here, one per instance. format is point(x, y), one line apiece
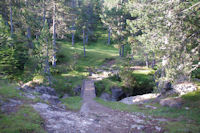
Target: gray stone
point(65, 96)
point(106, 96)
point(77, 90)
point(10, 105)
point(184, 88)
point(140, 99)
point(49, 98)
point(172, 102)
point(164, 86)
point(29, 95)
point(117, 94)
point(45, 90)
point(150, 107)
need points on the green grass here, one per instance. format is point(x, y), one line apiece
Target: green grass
point(73, 67)
point(73, 103)
point(25, 120)
point(8, 90)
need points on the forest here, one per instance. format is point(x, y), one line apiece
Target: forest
point(99, 66)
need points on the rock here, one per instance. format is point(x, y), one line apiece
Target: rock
point(140, 99)
point(49, 98)
point(29, 95)
point(172, 102)
point(106, 96)
point(184, 88)
point(77, 90)
point(138, 127)
point(164, 86)
point(117, 94)
point(150, 107)
point(10, 106)
point(65, 96)
point(45, 90)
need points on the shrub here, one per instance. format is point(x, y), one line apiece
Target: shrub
point(136, 84)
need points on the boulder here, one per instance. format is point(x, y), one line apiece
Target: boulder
point(117, 94)
point(49, 98)
point(184, 88)
point(65, 96)
point(45, 90)
point(77, 90)
point(172, 102)
point(106, 96)
point(140, 99)
point(164, 86)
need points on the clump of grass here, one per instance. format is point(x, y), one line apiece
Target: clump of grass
point(105, 85)
point(73, 103)
point(8, 90)
point(25, 120)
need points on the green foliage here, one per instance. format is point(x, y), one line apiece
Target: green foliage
point(105, 85)
point(25, 120)
point(137, 83)
point(196, 73)
point(62, 86)
point(12, 53)
point(73, 103)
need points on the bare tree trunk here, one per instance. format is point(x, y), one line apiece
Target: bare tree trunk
point(73, 36)
point(154, 60)
point(122, 51)
point(47, 67)
point(109, 34)
point(84, 42)
point(73, 25)
point(11, 20)
point(29, 37)
point(44, 13)
point(54, 37)
point(147, 60)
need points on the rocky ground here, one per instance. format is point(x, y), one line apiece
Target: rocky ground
point(95, 118)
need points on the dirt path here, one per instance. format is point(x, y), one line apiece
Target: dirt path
point(95, 118)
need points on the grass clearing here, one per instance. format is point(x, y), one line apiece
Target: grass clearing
point(73, 103)
point(25, 120)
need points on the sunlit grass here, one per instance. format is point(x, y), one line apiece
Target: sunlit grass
point(73, 103)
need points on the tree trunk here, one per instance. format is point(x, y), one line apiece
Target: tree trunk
point(11, 20)
point(73, 35)
point(154, 60)
point(44, 13)
point(84, 42)
point(54, 37)
point(30, 44)
point(47, 67)
point(122, 51)
point(147, 60)
point(109, 34)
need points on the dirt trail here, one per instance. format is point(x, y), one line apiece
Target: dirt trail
point(95, 118)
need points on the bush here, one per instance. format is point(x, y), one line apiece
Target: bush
point(61, 87)
point(196, 73)
point(136, 84)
